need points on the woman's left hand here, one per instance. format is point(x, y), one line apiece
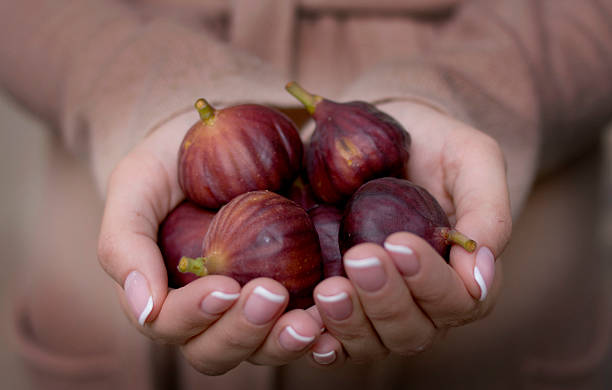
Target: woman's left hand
point(401, 296)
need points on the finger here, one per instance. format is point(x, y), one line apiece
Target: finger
point(136, 203)
point(327, 352)
point(399, 322)
point(313, 311)
point(482, 204)
point(344, 318)
point(191, 309)
point(434, 285)
point(289, 339)
point(240, 331)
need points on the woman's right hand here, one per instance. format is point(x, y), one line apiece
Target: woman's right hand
point(217, 323)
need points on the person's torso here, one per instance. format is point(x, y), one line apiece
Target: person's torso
point(324, 44)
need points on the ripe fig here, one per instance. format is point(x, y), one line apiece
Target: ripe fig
point(235, 150)
point(262, 234)
point(182, 234)
point(326, 219)
point(352, 143)
point(387, 205)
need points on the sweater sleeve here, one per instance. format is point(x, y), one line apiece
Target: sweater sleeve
point(533, 74)
point(103, 75)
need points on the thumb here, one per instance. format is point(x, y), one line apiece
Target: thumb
point(483, 213)
point(127, 248)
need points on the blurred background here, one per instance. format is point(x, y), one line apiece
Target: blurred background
point(23, 142)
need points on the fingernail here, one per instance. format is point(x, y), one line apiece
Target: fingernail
point(337, 307)
point(262, 306)
point(217, 302)
point(367, 273)
point(291, 340)
point(404, 258)
point(324, 358)
point(138, 295)
point(484, 271)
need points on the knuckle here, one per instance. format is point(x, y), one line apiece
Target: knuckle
point(384, 313)
point(202, 364)
point(360, 347)
point(414, 346)
point(117, 171)
point(491, 144)
point(408, 351)
point(233, 340)
point(494, 149)
point(349, 337)
point(166, 338)
point(435, 294)
point(454, 322)
point(208, 369)
point(459, 318)
point(212, 371)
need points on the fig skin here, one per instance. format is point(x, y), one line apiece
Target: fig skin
point(182, 234)
point(353, 142)
point(235, 150)
point(387, 205)
point(326, 219)
point(262, 234)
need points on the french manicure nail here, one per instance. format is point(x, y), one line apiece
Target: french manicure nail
point(337, 306)
point(291, 340)
point(139, 296)
point(484, 271)
point(262, 305)
point(218, 301)
point(367, 273)
point(324, 358)
point(404, 258)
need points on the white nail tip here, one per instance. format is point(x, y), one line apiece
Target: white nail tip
point(324, 358)
point(332, 298)
point(299, 337)
point(225, 296)
point(362, 263)
point(481, 284)
point(270, 296)
point(146, 311)
point(398, 248)
point(324, 355)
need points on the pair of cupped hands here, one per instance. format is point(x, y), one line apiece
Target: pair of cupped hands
point(398, 298)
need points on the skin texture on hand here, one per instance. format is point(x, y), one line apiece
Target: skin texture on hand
point(217, 323)
point(400, 297)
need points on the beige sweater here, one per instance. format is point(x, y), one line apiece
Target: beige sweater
point(534, 74)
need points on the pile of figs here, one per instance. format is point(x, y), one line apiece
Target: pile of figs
point(260, 203)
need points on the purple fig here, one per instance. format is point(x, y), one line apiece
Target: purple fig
point(326, 219)
point(238, 149)
point(262, 234)
point(387, 205)
point(182, 234)
point(352, 143)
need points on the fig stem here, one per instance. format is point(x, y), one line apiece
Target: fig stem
point(205, 110)
point(309, 100)
point(456, 237)
point(195, 266)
